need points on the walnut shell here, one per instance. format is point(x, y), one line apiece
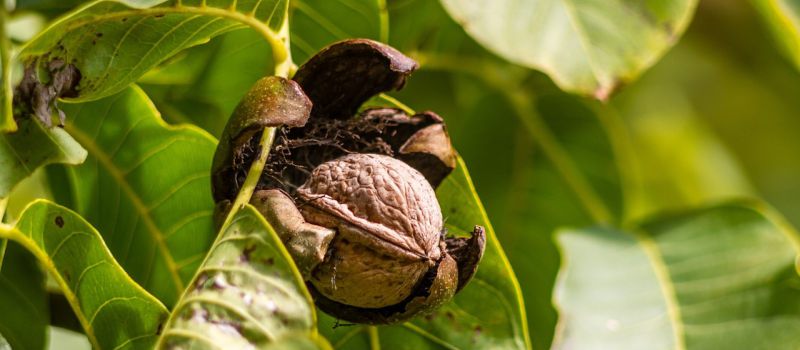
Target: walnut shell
point(351, 196)
point(389, 228)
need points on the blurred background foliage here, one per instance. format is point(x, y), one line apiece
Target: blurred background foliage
point(716, 118)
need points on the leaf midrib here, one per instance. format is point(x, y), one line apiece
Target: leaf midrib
point(571, 11)
point(653, 253)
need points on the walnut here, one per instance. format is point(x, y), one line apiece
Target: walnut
point(389, 228)
point(352, 198)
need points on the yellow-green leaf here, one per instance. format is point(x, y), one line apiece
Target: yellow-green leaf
point(23, 299)
point(114, 311)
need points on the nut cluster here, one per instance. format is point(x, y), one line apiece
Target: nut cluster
point(352, 194)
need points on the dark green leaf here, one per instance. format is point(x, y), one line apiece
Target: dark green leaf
point(246, 294)
point(540, 199)
point(145, 186)
point(113, 310)
point(204, 85)
point(717, 278)
point(23, 300)
point(48, 7)
point(677, 161)
point(319, 23)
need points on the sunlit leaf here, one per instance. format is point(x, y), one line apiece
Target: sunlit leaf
point(246, 294)
point(113, 43)
point(717, 278)
point(488, 313)
point(112, 309)
point(145, 186)
point(588, 47)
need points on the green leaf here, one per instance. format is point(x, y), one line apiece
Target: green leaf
point(677, 160)
point(49, 7)
point(744, 91)
point(588, 47)
point(246, 294)
point(717, 278)
point(783, 19)
point(113, 310)
point(550, 162)
point(145, 186)
point(200, 87)
point(113, 43)
point(488, 313)
point(541, 199)
point(32, 146)
point(319, 23)
point(23, 300)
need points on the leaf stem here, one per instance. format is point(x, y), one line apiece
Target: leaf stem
point(374, 339)
point(563, 163)
point(383, 15)
point(3, 242)
point(395, 102)
point(283, 67)
point(622, 145)
point(253, 175)
point(281, 50)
